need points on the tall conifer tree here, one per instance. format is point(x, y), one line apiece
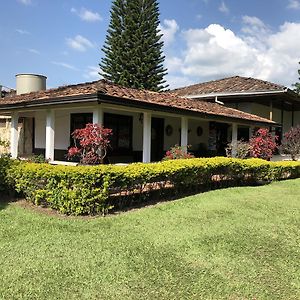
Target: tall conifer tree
point(133, 46)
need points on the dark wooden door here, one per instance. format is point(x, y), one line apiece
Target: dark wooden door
point(157, 139)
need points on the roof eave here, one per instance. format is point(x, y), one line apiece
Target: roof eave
point(236, 94)
point(103, 98)
point(50, 101)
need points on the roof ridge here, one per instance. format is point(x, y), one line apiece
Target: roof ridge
point(206, 82)
point(227, 78)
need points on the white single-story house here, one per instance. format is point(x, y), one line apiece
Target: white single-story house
point(145, 124)
point(262, 98)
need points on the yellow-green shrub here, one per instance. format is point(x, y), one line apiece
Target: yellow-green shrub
point(5, 163)
point(93, 190)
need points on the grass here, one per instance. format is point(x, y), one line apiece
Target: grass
point(238, 243)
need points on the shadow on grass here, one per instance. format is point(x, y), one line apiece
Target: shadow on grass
point(5, 199)
point(126, 203)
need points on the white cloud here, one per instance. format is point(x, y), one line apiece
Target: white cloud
point(92, 73)
point(294, 4)
point(215, 52)
point(22, 31)
point(223, 8)
point(253, 21)
point(25, 2)
point(178, 81)
point(79, 43)
point(169, 30)
point(34, 51)
point(65, 65)
point(86, 15)
point(255, 30)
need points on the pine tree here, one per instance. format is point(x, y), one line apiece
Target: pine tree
point(297, 84)
point(133, 46)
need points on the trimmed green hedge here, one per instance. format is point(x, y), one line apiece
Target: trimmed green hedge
point(5, 163)
point(93, 190)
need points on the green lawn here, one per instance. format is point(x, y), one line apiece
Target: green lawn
point(238, 243)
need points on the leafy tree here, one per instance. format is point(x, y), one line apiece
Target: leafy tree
point(297, 84)
point(133, 46)
point(291, 142)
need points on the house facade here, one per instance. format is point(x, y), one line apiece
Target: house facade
point(145, 124)
point(268, 100)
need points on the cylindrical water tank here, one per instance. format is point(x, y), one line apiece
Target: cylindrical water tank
point(27, 83)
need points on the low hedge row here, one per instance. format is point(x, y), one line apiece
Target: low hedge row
point(93, 190)
point(5, 163)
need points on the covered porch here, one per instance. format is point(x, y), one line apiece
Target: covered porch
point(138, 135)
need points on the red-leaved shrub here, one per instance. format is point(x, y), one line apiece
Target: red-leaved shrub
point(93, 143)
point(291, 142)
point(262, 144)
point(178, 152)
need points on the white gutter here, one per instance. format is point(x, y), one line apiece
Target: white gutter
point(217, 101)
point(214, 95)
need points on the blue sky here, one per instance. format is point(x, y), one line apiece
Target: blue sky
point(204, 39)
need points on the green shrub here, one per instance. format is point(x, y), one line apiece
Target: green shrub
point(5, 163)
point(95, 189)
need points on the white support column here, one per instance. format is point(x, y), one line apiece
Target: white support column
point(147, 137)
point(98, 115)
point(50, 133)
point(184, 131)
point(234, 138)
point(14, 136)
point(271, 111)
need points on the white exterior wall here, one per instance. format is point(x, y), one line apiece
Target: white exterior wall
point(174, 138)
point(264, 111)
point(261, 110)
point(137, 133)
point(40, 129)
point(245, 106)
point(62, 130)
point(194, 139)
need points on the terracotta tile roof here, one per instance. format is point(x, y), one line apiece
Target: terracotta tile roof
point(236, 84)
point(119, 94)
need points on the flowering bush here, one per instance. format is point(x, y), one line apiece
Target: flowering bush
point(239, 149)
point(93, 143)
point(262, 144)
point(178, 152)
point(291, 142)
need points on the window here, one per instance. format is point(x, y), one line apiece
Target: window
point(121, 139)
point(79, 121)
